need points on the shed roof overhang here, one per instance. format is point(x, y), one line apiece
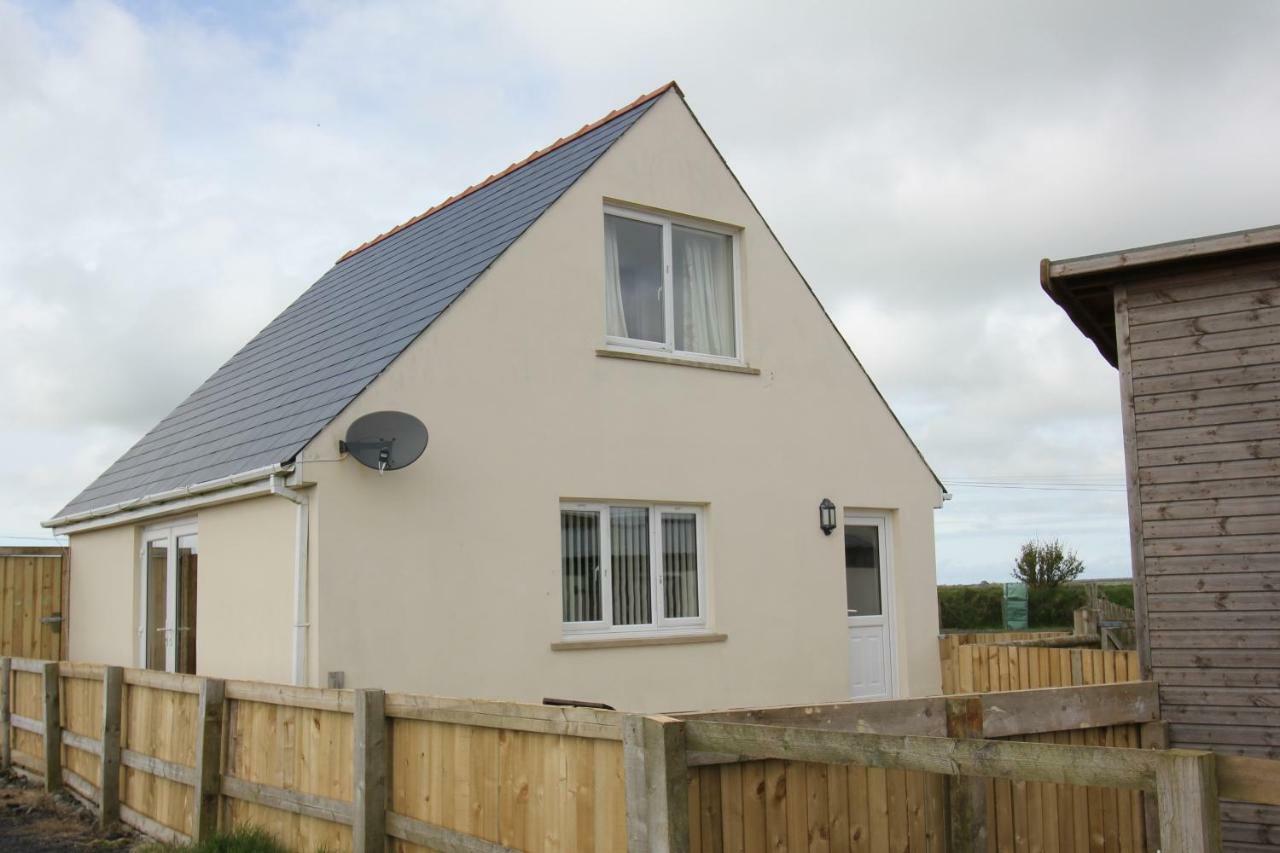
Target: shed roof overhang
point(1083, 286)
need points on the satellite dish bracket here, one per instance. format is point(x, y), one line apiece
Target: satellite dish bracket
point(383, 447)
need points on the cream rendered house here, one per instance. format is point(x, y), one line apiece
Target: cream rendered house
point(636, 409)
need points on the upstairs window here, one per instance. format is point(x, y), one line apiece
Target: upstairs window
point(670, 286)
point(631, 568)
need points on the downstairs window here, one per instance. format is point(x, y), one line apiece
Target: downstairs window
point(631, 568)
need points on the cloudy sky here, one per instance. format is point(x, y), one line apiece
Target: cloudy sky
point(173, 174)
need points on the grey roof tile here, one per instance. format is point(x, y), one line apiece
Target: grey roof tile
point(274, 395)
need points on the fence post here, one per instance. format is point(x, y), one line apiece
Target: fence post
point(657, 784)
point(52, 727)
point(1187, 795)
point(6, 727)
point(1152, 735)
point(966, 795)
point(369, 834)
point(204, 804)
point(109, 780)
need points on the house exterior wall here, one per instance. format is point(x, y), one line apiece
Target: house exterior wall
point(244, 602)
point(1199, 355)
point(445, 577)
point(103, 598)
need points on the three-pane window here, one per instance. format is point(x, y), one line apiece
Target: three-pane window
point(670, 286)
point(631, 568)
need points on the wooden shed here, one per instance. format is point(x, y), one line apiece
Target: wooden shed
point(1194, 329)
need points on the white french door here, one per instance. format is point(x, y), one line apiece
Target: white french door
point(167, 633)
point(867, 591)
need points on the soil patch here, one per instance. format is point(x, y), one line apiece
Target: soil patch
point(34, 821)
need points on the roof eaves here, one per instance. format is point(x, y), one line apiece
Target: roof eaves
point(536, 155)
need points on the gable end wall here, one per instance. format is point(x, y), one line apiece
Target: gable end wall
point(444, 577)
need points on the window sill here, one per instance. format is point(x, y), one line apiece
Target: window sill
point(598, 641)
point(657, 358)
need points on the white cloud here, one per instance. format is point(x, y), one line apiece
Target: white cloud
point(174, 174)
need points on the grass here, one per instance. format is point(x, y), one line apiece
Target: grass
point(244, 839)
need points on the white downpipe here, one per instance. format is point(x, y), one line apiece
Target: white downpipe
point(301, 621)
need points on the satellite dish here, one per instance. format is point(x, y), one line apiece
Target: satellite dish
point(385, 441)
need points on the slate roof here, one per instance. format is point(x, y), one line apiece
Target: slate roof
point(264, 405)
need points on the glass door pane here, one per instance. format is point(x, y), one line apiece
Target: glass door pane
point(157, 621)
point(862, 569)
point(185, 629)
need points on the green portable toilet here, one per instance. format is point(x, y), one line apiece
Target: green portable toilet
point(1014, 607)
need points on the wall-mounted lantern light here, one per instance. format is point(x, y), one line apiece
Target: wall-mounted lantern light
point(827, 516)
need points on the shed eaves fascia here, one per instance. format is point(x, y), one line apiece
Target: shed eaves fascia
point(283, 387)
point(1082, 286)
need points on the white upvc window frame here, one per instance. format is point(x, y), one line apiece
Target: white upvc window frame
point(169, 532)
point(668, 347)
point(661, 625)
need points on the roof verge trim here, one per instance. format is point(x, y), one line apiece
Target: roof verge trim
point(536, 155)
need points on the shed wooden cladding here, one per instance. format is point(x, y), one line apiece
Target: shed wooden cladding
point(1200, 363)
point(1197, 344)
point(32, 593)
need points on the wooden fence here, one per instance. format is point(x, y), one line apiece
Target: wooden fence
point(33, 588)
point(983, 663)
point(841, 807)
point(179, 756)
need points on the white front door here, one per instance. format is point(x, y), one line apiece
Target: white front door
point(866, 575)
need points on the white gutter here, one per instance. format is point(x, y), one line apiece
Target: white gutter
point(301, 624)
point(207, 493)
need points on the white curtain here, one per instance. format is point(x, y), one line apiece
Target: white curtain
point(704, 292)
point(616, 322)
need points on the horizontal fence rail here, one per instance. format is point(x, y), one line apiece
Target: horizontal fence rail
point(179, 757)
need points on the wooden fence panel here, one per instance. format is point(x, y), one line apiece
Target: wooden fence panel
point(28, 701)
point(82, 715)
point(304, 750)
point(524, 789)
point(158, 723)
point(990, 668)
point(31, 595)
point(802, 806)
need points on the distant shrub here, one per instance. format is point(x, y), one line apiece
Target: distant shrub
point(1046, 564)
point(1054, 606)
point(970, 608)
point(1118, 593)
point(977, 608)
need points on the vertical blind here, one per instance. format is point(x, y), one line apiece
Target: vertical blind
point(580, 555)
point(680, 564)
point(608, 561)
point(629, 541)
